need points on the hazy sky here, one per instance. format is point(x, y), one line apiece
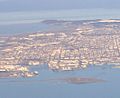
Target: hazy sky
point(25, 5)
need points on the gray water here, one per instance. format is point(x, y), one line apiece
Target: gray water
point(22, 22)
point(41, 86)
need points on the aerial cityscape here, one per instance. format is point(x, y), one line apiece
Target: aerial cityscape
point(88, 42)
point(59, 48)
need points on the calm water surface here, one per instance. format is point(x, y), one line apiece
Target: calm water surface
point(22, 22)
point(43, 87)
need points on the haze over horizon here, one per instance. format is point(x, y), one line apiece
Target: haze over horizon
point(36, 5)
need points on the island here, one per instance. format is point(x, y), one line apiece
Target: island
point(78, 45)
